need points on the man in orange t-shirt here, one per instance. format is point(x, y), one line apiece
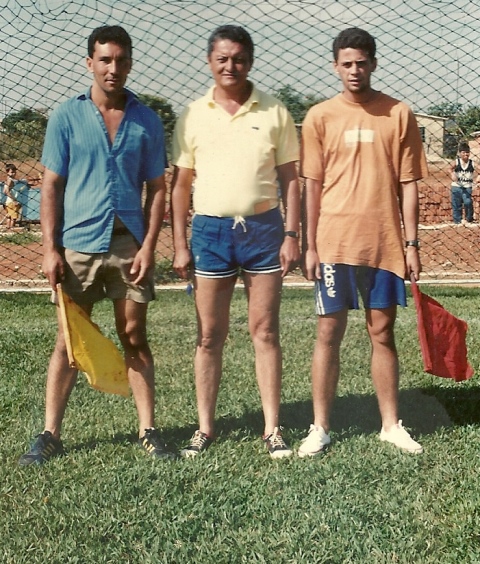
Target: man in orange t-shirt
point(361, 156)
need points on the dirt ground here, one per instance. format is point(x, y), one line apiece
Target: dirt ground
point(449, 252)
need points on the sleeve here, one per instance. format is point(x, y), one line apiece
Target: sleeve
point(413, 163)
point(311, 154)
point(56, 146)
point(182, 146)
point(156, 160)
point(287, 149)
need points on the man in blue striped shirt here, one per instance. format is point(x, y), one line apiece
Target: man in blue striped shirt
point(101, 146)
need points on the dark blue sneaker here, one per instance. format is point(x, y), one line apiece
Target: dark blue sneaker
point(153, 443)
point(46, 446)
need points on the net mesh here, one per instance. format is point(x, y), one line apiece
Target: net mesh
point(425, 57)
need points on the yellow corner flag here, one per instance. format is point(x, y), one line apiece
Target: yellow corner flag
point(90, 351)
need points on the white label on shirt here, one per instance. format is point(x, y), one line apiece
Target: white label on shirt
point(354, 136)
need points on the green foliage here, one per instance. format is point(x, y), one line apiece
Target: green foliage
point(23, 135)
point(445, 109)
point(17, 121)
point(296, 103)
point(165, 110)
point(107, 502)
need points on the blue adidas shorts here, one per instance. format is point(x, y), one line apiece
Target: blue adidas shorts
point(222, 245)
point(341, 283)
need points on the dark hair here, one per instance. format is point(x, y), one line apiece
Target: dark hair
point(109, 34)
point(236, 34)
point(463, 146)
point(354, 38)
point(10, 166)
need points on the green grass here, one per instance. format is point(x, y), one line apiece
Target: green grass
point(363, 502)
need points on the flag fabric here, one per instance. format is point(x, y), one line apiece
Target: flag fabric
point(442, 338)
point(90, 351)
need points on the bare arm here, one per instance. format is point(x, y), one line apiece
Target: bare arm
point(310, 214)
point(181, 193)
point(453, 175)
point(409, 200)
point(51, 212)
point(154, 212)
point(288, 179)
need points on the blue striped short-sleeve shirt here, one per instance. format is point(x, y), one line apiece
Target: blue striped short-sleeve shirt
point(102, 179)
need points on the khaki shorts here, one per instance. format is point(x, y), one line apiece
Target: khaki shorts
point(91, 277)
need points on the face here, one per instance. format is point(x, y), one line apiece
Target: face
point(230, 64)
point(465, 155)
point(354, 68)
point(12, 172)
point(110, 66)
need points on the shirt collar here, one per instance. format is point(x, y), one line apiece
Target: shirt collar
point(254, 97)
point(87, 95)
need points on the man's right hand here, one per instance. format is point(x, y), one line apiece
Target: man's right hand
point(182, 263)
point(311, 266)
point(53, 267)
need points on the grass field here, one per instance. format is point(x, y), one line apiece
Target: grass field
point(364, 502)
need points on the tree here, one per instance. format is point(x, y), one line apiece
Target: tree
point(445, 109)
point(23, 134)
point(165, 111)
point(296, 103)
point(17, 121)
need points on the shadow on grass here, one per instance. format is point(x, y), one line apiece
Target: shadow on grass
point(424, 410)
point(351, 415)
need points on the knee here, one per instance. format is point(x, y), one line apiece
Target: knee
point(265, 333)
point(211, 340)
point(133, 337)
point(383, 336)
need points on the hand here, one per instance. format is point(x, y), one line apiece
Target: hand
point(142, 263)
point(182, 263)
point(311, 266)
point(412, 263)
point(53, 267)
point(289, 255)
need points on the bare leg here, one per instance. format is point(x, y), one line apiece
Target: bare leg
point(212, 301)
point(60, 381)
point(264, 293)
point(326, 365)
point(131, 321)
point(384, 364)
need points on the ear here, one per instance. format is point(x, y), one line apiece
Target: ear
point(335, 66)
point(89, 63)
point(374, 64)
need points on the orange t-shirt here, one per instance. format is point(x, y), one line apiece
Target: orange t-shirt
point(361, 152)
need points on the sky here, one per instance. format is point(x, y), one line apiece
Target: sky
point(426, 49)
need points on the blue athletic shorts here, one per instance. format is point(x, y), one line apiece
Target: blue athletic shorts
point(222, 245)
point(341, 283)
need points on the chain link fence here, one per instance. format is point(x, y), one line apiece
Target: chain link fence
point(426, 57)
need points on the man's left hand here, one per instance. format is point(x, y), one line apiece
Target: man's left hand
point(142, 263)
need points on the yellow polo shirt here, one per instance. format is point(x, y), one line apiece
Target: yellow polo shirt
point(235, 157)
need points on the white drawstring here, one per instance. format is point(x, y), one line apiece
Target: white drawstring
point(239, 220)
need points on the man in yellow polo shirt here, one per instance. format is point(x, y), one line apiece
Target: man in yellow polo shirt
point(242, 146)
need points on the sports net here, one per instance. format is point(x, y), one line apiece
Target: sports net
point(425, 57)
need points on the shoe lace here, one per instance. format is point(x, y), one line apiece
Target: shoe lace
point(276, 439)
point(199, 439)
point(153, 437)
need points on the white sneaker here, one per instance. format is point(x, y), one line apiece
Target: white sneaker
point(315, 442)
point(399, 437)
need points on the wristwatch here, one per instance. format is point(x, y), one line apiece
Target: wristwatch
point(293, 234)
point(413, 243)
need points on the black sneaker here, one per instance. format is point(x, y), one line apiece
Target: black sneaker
point(276, 446)
point(198, 443)
point(153, 443)
point(45, 447)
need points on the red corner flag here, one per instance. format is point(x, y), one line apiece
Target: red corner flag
point(442, 338)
